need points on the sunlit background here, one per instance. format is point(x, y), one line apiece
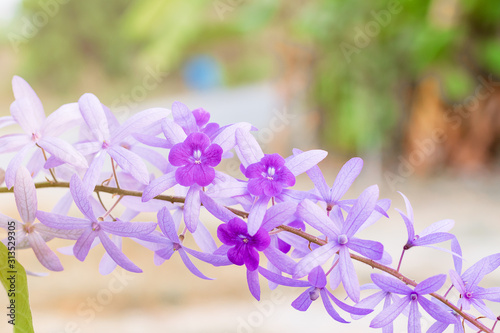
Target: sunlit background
point(412, 87)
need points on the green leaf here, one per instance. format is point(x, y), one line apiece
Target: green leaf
point(18, 295)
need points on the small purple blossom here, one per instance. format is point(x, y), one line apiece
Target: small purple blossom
point(196, 159)
point(413, 298)
point(244, 247)
point(269, 176)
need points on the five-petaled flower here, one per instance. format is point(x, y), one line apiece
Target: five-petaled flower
point(244, 247)
point(269, 176)
point(196, 159)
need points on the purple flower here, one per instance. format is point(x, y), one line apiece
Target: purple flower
point(269, 176)
point(467, 285)
point(196, 159)
point(28, 233)
point(341, 238)
point(244, 247)
point(316, 288)
point(92, 228)
point(414, 298)
point(27, 111)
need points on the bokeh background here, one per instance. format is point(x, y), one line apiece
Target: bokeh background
point(412, 87)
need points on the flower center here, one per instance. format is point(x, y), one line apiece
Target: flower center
point(28, 228)
point(314, 294)
point(96, 226)
point(197, 156)
point(468, 294)
point(414, 296)
point(177, 246)
point(343, 239)
point(105, 145)
point(244, 238)
point(35, 137)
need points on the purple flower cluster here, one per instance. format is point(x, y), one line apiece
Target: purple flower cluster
point(304, 239)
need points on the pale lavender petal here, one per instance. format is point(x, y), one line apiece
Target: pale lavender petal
point(62, 119)
point(439, 327)
point(316, 217)
point(216, 209)
point(457, 250)
point(474, 274)
point(192, 208)
point(131, 163)
point(348, 274)
point(93, 172)
point(128, 229)
point(152, 156)
point(319, 181)
point(158, 186)
point(302, 302)
point(95, 117)
point(370, 249)
point(225, 137)
point(414, 318)
point(248, 151)
point(390, 284)
point(384, 204)
point(117, 255)
point(215, 260)
point(348, 308)
point(435, 238)
point(409, 225)
point(482, 308)
point(6, 121)
point(43, 253)
point(36, 163)
point(80, 197)
point(361, 210)
point(49, 233)
point(15, 162)
point(151, 141)
point(317, 277)
point(390, 313)
point(84, 243)
point(189, 264)
point(13, 142)
point(440, 226)
point(61, 221)
point(431, 284)
point(167, 225)
point(369, 302)
point(409, 209)
point(25, 195)
point(253, 283)
point(107, 264)
point(30, 114)
point(173, 132)
point(315, 258)
point(184, 117)
point(137, 123)
point(436, 311)
point(334, 279)
point(165, 253)
point(5, 220)
point(347, 174)
point(63, 151)
point(329, 308)
point(282, 280)
point(283, 262)
point(279, 214)
point(302, 162)
point(204, 239)
point(257, 214)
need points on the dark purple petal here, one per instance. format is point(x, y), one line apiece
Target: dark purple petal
point(250, 257)
point(184, 175)
point(273, 160)
point(202, 116)
point(255, 170)
point(197, 140)
point(260, 240)
point(203, 175)
point(256, 186)
point(283, 246)
point(212, 155)
point(271, 188)
point(236, 255)
point(284, 176)
point(180, 154)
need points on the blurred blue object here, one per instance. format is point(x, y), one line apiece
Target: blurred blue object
point(202, 72)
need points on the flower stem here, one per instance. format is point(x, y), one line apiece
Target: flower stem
point(401, 260)
point(50, 170)
point(114, 173)
point(298, 232)
point(108, 212)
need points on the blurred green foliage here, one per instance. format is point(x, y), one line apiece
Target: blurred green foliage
point(368, 54)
